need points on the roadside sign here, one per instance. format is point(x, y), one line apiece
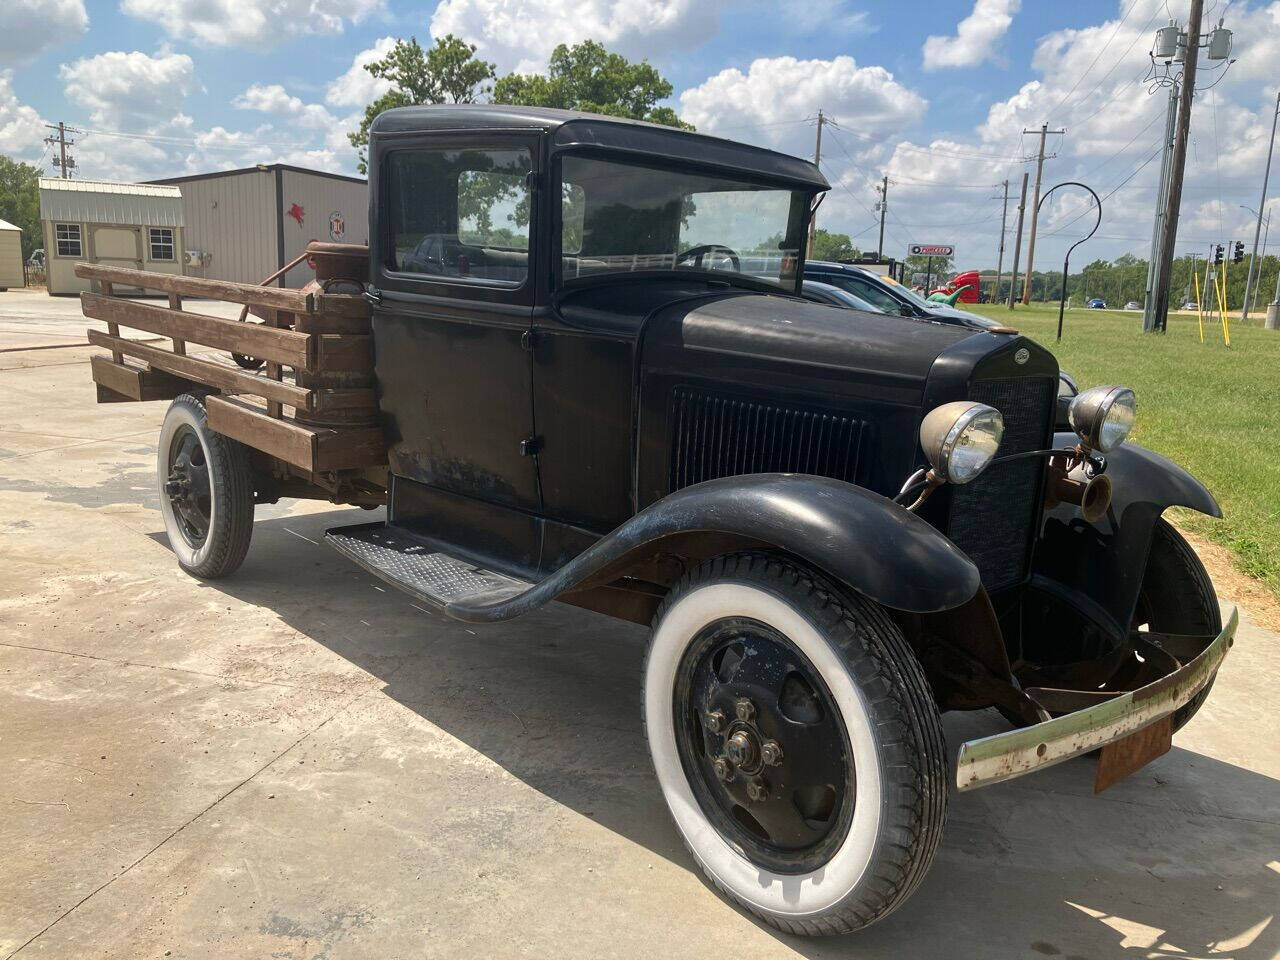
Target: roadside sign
point(932, 250)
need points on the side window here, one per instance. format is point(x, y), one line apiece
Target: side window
point(161, 243)
point(460, 214)
point(67, 236)
point(867, 291)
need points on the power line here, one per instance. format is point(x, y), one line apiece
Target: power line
point(1098, 57)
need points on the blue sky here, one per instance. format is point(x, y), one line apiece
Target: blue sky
point(934, 94)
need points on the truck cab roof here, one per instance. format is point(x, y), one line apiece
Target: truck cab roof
point(572, 128)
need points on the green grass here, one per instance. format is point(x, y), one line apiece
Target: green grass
point(1215, 410)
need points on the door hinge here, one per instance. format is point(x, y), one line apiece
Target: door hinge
point(374, 297)
point(530, 446)
point(528, 339)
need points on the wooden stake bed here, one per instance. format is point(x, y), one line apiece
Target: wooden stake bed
point(329, 343)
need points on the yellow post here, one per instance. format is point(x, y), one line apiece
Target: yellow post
point(1199, 306)
point(1222, 305)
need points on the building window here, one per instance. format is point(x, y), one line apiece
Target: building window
point(68, 237)
point(161, 243)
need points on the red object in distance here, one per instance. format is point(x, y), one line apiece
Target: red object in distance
point(297, 213)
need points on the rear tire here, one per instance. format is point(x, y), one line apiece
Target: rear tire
point(1177, 596)
point(813, 663)
point(206, 492)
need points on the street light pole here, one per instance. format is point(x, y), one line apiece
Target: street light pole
point(1257, 228)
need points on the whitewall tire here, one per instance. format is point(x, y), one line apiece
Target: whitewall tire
point(796, 742)
point(206, 492)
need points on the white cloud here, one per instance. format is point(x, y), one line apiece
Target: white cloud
point(130, 92)
point(357, 87)
point(28, 27)
point(977, 36)
point(259, 24)
point(520, 34)
point(21, 129)
point(274, 99)
point(766, 103)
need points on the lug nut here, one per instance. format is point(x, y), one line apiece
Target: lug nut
point(757, 790)
point(715, 721)
point(723, 769)
point(745, 709)
point(770, 753)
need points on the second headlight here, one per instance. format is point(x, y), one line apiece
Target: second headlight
point(961, 438)
point(1103, 416)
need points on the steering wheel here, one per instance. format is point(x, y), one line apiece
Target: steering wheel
point(696, 254)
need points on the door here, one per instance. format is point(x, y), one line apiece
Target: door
point(451, 337)
point(116, 246)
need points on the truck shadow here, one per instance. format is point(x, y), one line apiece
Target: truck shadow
point(1183, 859)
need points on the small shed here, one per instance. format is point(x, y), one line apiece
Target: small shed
point(11, 274)
point(135, 225)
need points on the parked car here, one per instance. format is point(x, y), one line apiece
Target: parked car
point(829, 293)
point(836, 523)
point(1191, 305)
point(1133, 305)
point(892, 297)
point(1097, 303)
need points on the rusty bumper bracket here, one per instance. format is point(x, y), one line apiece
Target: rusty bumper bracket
point(1018, 752)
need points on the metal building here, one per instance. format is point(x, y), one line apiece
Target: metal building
point(11, 274)
point(244, 225)
point(134, 225)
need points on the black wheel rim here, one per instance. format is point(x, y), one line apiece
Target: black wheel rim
point(188, 488)
point(763, 746)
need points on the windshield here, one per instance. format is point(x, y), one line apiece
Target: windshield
point(619, 217)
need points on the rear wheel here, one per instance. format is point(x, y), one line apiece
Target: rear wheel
point(206, 492)
point(1177, 597)
point(797, 744)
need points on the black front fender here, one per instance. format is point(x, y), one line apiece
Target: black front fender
point(855, 537)
point(1106, 560)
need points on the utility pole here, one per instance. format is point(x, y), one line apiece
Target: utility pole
point(62, 161)
point(1244, 311)
point(1017, 243)
point(884, 206)
point(1154, 277)
point(1004, 210)
point(1035, 210)
point(1178, 163)
point(817, 162)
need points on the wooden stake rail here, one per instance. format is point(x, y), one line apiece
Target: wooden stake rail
point(329, 342)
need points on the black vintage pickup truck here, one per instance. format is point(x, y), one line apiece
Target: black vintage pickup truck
point(597, 384)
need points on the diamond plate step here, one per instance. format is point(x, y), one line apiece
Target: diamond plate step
point(417, 566)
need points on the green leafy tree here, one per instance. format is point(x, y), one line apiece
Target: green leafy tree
point(833, 246)
point(449, 72)
point(20, 201)
point(942, 269)
point(588, 77)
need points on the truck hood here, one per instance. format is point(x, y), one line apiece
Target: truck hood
point(776, 328)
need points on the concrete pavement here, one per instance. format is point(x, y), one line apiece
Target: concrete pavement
point(298, 762)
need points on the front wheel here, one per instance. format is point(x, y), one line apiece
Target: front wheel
point(206, 492)
point(796, 742)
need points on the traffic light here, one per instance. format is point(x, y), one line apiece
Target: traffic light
point(1217, 254)
point(1238, 255)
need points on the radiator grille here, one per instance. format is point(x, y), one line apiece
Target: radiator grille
point(717, 436)
point(993, 518)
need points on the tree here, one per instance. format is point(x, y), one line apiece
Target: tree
point(942, 268)
point(450, 72)
point(833, 246)
point(20, 201)
point(588, 77)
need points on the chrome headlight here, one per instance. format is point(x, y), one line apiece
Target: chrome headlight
point(1103, 416)
point(961, 439)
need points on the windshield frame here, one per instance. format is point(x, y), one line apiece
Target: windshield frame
point(644, 159)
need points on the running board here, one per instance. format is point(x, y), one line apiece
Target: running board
point(415, 565)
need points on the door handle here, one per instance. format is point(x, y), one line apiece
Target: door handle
point(374, 297)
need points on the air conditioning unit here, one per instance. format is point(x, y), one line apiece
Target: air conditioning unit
point(195, 258)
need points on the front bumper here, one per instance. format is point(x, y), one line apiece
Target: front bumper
point(1008, 755)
